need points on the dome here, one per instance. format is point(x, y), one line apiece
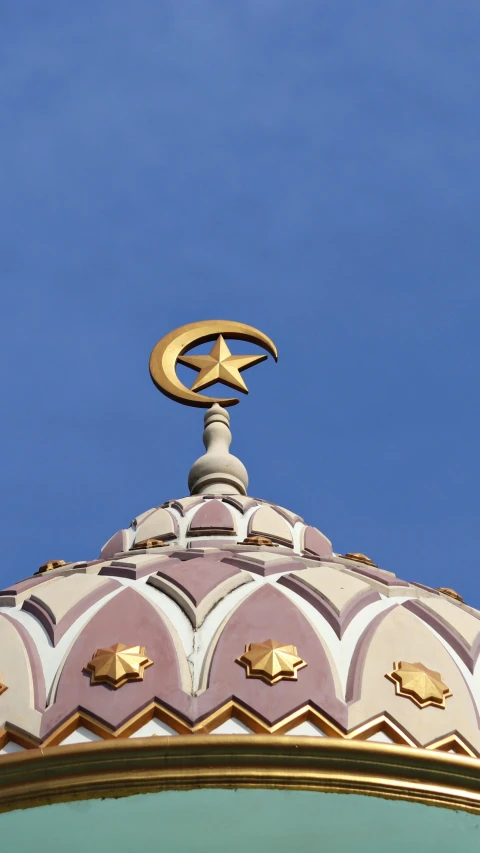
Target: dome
point(250, 623)
point(220, 641)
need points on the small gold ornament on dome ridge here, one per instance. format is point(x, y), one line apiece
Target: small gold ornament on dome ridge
point(417, 682)
point(50, 565)
point(360, 558)
point(271, 661)
point(259, 540)
point(149, 543)
point(117, 664)
point(450, 592)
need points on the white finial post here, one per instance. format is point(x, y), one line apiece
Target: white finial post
point(217, 472)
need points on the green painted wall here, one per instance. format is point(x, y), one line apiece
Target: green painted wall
point(243, 821)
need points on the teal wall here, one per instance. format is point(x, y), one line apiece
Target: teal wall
point(242, 821)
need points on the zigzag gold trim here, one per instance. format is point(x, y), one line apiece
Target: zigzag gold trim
point(10, 734)
point(231, 710)
point(453, 743)
point(381, 724)
point(234, 710)
point(85, 720)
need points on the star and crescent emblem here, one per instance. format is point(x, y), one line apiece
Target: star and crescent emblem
point(220, 365)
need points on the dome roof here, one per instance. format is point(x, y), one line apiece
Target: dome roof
point(228, 614)
point(223, 615)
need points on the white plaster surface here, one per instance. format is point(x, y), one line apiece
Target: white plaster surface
point(232, 727)
point(381, 737)
point(465, 625)
point(11, 747)
point(307, 729)
point(265, 558)
point(333, 586)
point(154, 727)
point(80, 735)
point(140, 560)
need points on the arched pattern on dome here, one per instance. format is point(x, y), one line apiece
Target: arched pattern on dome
point(19, 591)
point(116, 544)
point(21, 672)
point(160, 524)
point(337, 596)
point(131, 619)
point(266, 521)
point(399, 635)
point(312, 541)
point(58, 605)
point(183, 505)
point(212, 517)
point(269, 614)
point(197, 585)
point(240, 502)
point(223, 516)
point(460, 629)
point(291, 517)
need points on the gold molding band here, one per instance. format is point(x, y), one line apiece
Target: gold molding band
point(122, 767)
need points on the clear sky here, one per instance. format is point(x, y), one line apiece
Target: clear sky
point(308, 167)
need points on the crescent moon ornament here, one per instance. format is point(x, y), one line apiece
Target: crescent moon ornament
point(219, 366)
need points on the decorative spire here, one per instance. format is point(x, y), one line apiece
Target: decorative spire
point(217, 471)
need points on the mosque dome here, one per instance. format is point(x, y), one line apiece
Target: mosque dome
point(219, 641)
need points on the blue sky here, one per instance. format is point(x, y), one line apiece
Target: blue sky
point(310, 168)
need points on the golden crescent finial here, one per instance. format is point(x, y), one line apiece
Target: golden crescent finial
point(219, 366)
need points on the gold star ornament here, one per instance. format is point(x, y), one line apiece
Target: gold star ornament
point(452, 593)
point(52, 564)
point(361, 558)
point(422, 685)
point(117, 664)
point(220, 366)
point(271, 661)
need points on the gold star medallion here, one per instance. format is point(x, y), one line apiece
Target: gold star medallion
point(3, 687)
point(361, 558)
point(422, 685)
point(148, 543)
point(118, 664)
point(271, 661)
point(52, 564)
point(452, 593)
point(220, 366)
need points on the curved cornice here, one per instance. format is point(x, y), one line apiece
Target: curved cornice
point(124, 767)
